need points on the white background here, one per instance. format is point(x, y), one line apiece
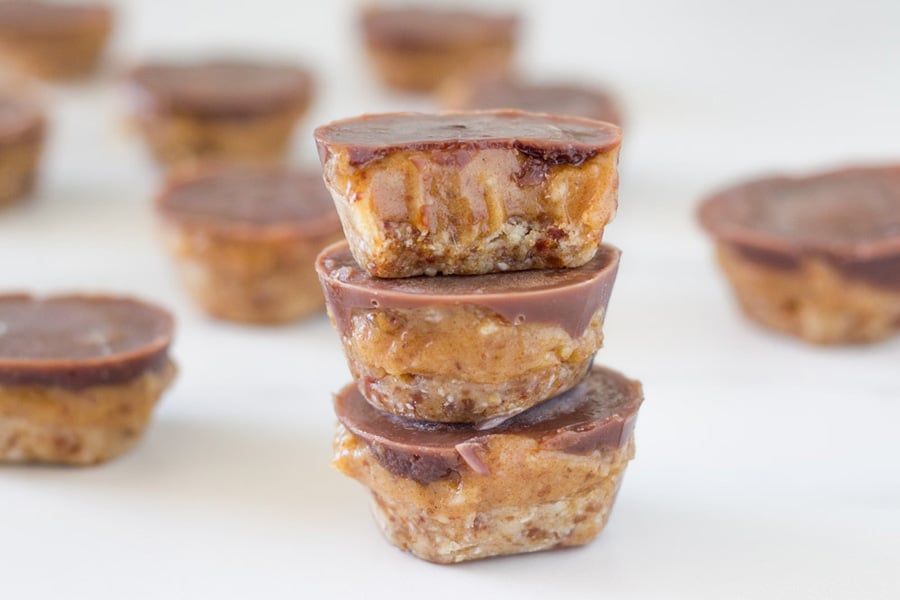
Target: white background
point(765, 468)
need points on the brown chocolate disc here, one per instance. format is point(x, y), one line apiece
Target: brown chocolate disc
point(567, 297)
point(553, 98)
point(549, 138)
point(597, 413)
point(252, 200)
point(222, 88)
point(849, 217)
point(50, 17)
point(78, 341)
point(418, 27)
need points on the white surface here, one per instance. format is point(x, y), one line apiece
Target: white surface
point(765, 468)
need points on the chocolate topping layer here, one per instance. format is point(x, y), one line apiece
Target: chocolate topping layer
point(78, 341)
point(849, 217)
point(597, 413)
point(567, 297)
point(553, 98)
point(252, 200)
point(42, 17)
point(19, 119)
point(419, 27)
point(552, 139)
point(224, 88)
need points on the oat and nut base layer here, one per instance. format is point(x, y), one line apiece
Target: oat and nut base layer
point(813, 301)
point(79, 427)
point(264, 280)
point(534, 499)
point(463, 363)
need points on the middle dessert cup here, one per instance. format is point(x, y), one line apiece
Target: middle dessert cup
point(467, 349)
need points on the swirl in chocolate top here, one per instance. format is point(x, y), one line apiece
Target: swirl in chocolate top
point(226, 88)
point(44, 17)
point(419, 27)
point(76, 341)
point(567, 297)
point(254, 200)
point(852, 214)
point(550, 138)
point(597, 413)
point(19, 119)
point(553, 98)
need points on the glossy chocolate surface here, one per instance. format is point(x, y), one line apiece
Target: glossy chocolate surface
point(41, 17)
point(548, 138)
point(565, 297)
point(597, 413)
point(851, 218)
point(554, 98)
point(419, 27)
point(254, 199)
point(78, 341)
point(224, 88)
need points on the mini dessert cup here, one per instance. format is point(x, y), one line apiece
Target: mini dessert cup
point(467, 349)
point(245, 240)
point(22, 129)
point(546, 478)
point(53, 40)
point(79, 376)
point(815, 257)
point(219, 111)
point(471, 192)
point(417, 49)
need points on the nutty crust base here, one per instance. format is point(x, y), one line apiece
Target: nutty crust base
point(463, 364)
point(264, 281)
point(814, 301)
point(182, 139)
point(18, 167)
point(533, 499)
point(77, 427)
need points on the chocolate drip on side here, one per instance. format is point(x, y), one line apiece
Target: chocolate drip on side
point(600, 412)
point(566, 297)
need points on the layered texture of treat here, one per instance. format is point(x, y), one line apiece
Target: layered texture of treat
point(488, 91)
point(447, 493)
point(467, 348)
point(223, 111)
point(53, 40)
point(817, 257)
point(22, 128)
point(471, 192)
point(245, 240)
point(419, 48)
point(79, 376)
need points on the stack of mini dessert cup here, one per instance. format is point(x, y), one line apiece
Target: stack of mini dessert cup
point(470, 298)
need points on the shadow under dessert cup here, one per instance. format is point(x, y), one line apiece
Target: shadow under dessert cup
point(54, 40)
point(817, 257)
point(245, 239)
point(488, 91)
point(470, 192)
point(22, 129)
point(79, 376)
point(467, 348)
point(418, 48)
point(447, 493)
point(222, 111)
